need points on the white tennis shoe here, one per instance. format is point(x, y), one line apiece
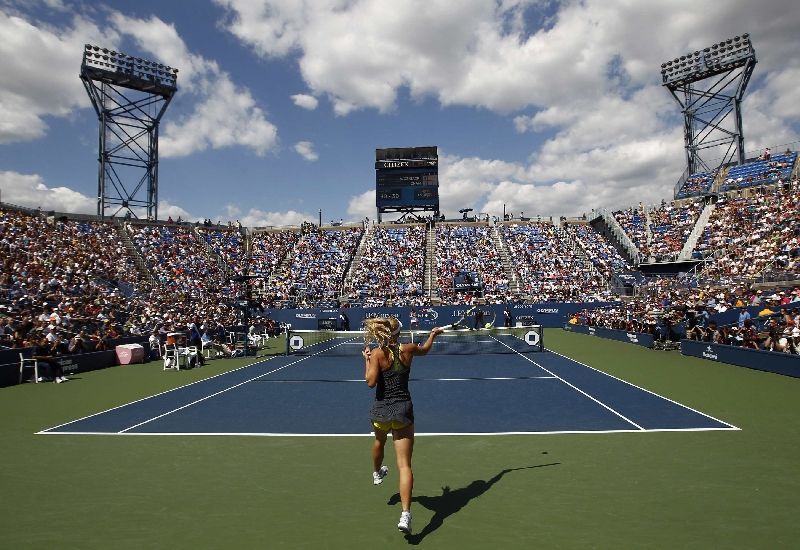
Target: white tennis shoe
point(377, 477)
point(404, 524)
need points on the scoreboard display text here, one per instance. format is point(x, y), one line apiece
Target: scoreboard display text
point(407, 183)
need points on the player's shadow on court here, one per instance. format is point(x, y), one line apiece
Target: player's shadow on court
point(453, 500)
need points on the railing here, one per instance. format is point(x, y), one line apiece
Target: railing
point(680, 183)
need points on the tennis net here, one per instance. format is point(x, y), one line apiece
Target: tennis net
point(524, 339)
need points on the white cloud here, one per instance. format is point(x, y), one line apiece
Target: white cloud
point(30, 190)
point(261, 218)
point(304, 101)
point(589, 78)
point(168, 210)
point(43, 82)
point(362, 206)
point(39, 65)
point(306, 150)
point(224, 115)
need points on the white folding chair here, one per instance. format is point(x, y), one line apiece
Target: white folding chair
point(207, 349)
point(29, 363)
point(171, 358)
point(185, 354)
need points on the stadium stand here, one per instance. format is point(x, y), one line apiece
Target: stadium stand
point(766, 170)
point(670, 226)
point(547, 266)
point(748, 236)
point(61, 277)
point(600, 252)
point(270, 248)
point(390, 268)
point(696, 185)
point(468, 263)
point(319, 262)
point(634, 222)
point(226, 243)
point(175, 257)
point(82, 274)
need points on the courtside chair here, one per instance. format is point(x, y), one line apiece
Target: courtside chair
point(207, 349)
point(171, 359)
point(30, 363)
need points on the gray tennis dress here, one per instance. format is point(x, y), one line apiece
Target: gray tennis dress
point(392, 398)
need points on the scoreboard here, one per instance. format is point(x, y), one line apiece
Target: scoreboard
point(409, 182)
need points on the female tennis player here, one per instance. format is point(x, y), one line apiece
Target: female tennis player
point(387, 368)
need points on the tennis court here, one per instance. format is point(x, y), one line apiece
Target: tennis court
point(477, 383)
point(698, 484)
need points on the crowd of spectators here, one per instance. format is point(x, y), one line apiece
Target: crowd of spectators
point(547, 266)
point(670, 226)
point(270, 248)
point(767, 169)
point(178, 261)
point(228, 244)
point(71, 285)
point(600, 252)
point(391, 268)
point(634, 222)
point(694, 313)
point(696, 184)
point(746, 236)
point(62, 279)
point(467, 261)
point(319, 263)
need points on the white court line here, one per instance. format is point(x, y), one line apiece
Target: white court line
point(576, 388)
point(155, 395)
point(648, 391)
point(361, 380)
point(221, 391)
point(418, 434)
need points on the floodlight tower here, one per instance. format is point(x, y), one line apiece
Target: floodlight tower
point(709, 85)
point(130, 96)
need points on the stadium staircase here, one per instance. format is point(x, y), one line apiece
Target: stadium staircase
point(580, 253)
point(430, 286)
point(141, 265)
point(612, 230)
point(284, 269)
point(697, 232)
point(211, 254)
point(347, 282)
point(649, 234)
point(505, 260)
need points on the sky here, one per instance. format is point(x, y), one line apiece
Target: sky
point(542, 107)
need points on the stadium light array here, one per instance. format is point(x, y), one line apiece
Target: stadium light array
point(716, 59)
point(120, 65)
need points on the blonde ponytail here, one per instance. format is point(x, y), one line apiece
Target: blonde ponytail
point(381, 330)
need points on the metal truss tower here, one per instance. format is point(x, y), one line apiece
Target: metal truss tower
point(709, 86)
point(129, 95)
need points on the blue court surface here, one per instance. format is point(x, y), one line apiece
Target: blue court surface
point(315, 395)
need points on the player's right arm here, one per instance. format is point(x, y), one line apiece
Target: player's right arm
point(422, 349)
point(372, 369)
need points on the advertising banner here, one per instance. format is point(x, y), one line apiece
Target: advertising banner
point(638, 338)
point(770, 361)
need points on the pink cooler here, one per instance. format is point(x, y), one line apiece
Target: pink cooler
point(129, 353)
